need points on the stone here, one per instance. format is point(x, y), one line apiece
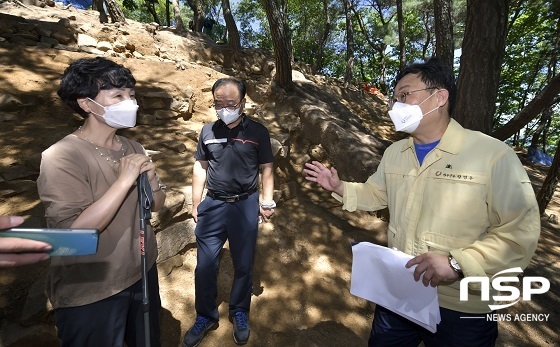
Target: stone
point(104, 46)
point(67, 48)
point(157, 100)
point(189, 92)
point(86, 27)
point(19, 40)
point(7, 117)
point(173, 204)
point(255, 69)
point(175, 238)
point(299, 77)
point(86, 40)
point(276, 145)
point(165, 267)
point(288, 190)
point(9, 103)
point(165, 114)
point(62, 37)
point(49, 40)
point(43, 45)
point(25, 26)
point(155, 155)
point(18, 172)
point(91, 50)
point(147, 119)
point(65, 22)
point(119, 47)
point(189, 133)
point(130, 46)
point(175, 146)
point(180, 106)
point(318, 153)
point(250, 110)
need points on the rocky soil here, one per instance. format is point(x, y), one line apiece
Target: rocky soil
point(302, 267)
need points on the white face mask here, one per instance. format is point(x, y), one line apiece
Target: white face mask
point(405, 117)
point(228, 116)
point(120, 115)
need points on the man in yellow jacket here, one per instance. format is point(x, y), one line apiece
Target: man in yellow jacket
point(459, 200)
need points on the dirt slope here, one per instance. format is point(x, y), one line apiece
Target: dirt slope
point(302, 266)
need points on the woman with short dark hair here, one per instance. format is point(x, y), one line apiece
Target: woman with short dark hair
point(87, 180)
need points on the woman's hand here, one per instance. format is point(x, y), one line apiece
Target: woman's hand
point(132, 165)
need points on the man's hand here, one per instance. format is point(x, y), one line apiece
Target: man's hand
point(266, 213)
point(195, 212)
point(327, 178)
point(434, 267)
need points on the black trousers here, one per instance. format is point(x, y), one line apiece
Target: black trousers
point(112, 321)
point(456, 329)
point(219, 221)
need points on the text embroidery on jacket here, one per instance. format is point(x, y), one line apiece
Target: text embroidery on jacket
point(466, 177)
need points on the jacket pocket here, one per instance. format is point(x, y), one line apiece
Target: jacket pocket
point(394, 239)
point(443, 244)
point(457, 196)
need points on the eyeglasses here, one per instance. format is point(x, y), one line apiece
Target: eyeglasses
point(401, 97)
point(229, 108)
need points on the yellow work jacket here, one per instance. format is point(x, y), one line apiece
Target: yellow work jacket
point(470, 198)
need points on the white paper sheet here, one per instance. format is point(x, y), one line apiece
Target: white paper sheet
point(379, 275)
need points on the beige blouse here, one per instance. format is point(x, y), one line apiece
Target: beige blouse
point(73, 176)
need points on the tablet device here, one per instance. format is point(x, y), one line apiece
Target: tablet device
point(65, 242)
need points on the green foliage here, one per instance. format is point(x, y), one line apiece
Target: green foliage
point(253, 25)
point(530, 48)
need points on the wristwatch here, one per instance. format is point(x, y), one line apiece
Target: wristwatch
point(455, 266)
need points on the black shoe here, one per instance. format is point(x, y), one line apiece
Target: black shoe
point(240, 328)
point(196, 333)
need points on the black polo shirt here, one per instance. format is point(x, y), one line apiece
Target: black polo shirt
point(234, 155)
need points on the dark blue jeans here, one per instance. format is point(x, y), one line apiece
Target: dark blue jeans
point(390, 329)
point(112, 321)
point(219, 221)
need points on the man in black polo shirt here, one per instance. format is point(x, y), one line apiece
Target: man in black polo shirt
point(229, 155)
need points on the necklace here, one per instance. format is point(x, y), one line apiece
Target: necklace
point(107, 157)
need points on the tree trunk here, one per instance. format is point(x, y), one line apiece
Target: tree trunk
point(380, 47)
point(198, 14)
point(179, 25)
point(318, 65)
point(282, 44)
point(152, 9)
point(550, 183)
point(548, 113)
point(349, 74)
point(115, 11)
point(481, 60)
point(234, 40)
point(402, 43)
point(428, 40)
point(444, 31)
point(545, 99)
point(167, 13)
point(98, 5)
